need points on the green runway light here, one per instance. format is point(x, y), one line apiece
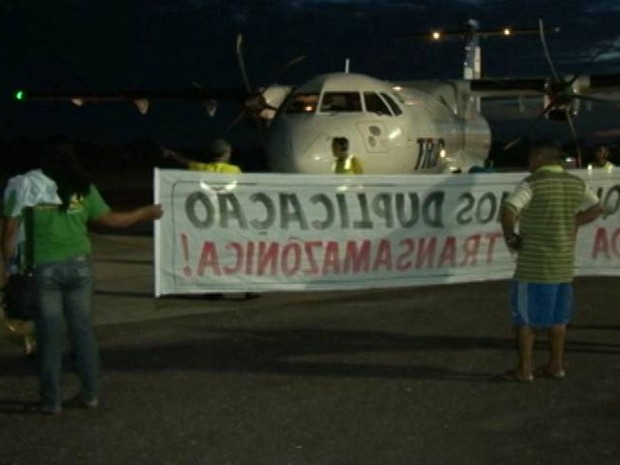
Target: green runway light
point(20, 95)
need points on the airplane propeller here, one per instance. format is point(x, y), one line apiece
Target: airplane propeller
point(561, 94)
point(256, 104)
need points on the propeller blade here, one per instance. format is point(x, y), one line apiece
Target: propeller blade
point(591, 62)
point(142, 105)
point(571, 125)
point(529, 127)
point(236, 121)
point(292, 62)
point(541, 28)
point(512, 143)
point(244, 74)
point(589, 98)
point(210, 107)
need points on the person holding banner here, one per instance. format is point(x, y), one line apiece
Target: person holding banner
point(63, 270)
point(220, 154)
point(601, 157)
point(344, 163)
point(548, 206)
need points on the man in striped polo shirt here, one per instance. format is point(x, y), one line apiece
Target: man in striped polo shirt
point(549, 206)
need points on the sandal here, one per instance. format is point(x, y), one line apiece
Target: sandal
point(543, 372)
point(511, 375)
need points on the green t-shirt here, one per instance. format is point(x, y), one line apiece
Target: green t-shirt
point(59, 235)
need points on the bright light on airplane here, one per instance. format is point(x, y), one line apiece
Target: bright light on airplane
point(20, 94)
point(395, 134)
point(436, 35)
point(507, 31)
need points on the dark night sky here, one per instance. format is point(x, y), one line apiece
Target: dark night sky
point(90, 44)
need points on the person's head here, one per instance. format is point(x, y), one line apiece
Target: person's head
point(340, 147)
point(544, 152)
point(220, 150)
point(601, 155)
point(59, 162)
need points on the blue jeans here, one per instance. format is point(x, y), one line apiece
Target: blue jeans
point(65, 290)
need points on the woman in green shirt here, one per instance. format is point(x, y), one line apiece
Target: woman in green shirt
point(63, 271)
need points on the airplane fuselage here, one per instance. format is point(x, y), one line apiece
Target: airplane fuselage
point(392, 129)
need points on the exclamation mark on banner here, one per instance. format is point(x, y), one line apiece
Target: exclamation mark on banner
point(187, 270)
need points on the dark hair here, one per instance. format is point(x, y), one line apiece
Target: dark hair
point(601, 147)
point(58, 162)
point(341, 142)
point(548, 149)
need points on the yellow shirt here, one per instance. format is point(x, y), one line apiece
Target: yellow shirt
point(349, 165)
point(214, 167)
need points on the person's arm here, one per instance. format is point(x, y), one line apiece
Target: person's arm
point(589, 215)
point(509, 213)
point(508, 219)
point(591, 208)
point(116, 219)
point(167, 153)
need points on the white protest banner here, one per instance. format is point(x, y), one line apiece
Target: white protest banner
point(265, 232)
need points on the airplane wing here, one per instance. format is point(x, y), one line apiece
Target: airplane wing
point(255, 104)
point(139, 97)
point(597, 84)
point(130, 95)
point(560, 93)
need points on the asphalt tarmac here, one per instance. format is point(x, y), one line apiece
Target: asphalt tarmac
point(386, 376)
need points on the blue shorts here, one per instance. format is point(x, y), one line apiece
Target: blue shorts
point(541, 305)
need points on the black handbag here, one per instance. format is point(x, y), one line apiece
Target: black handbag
point(19, 298)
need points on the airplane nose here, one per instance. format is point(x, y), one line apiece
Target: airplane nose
point(311, 153)
point(296, 151)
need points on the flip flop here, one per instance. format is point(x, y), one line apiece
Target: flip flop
point(511, 375)
point(543, 372)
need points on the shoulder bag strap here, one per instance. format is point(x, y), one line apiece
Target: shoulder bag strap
point(29, 231)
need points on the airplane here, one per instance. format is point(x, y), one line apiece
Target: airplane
point(422, 126)
point(392, 127)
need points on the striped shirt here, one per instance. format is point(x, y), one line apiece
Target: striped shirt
point(546, 203)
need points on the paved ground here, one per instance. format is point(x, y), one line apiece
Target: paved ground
point(375, 377)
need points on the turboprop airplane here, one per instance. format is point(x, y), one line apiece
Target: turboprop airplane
point(392, 127)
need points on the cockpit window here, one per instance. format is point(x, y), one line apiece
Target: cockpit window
point(374, 104)
point(302, 103)
point(393, 105)
point(341, 101)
